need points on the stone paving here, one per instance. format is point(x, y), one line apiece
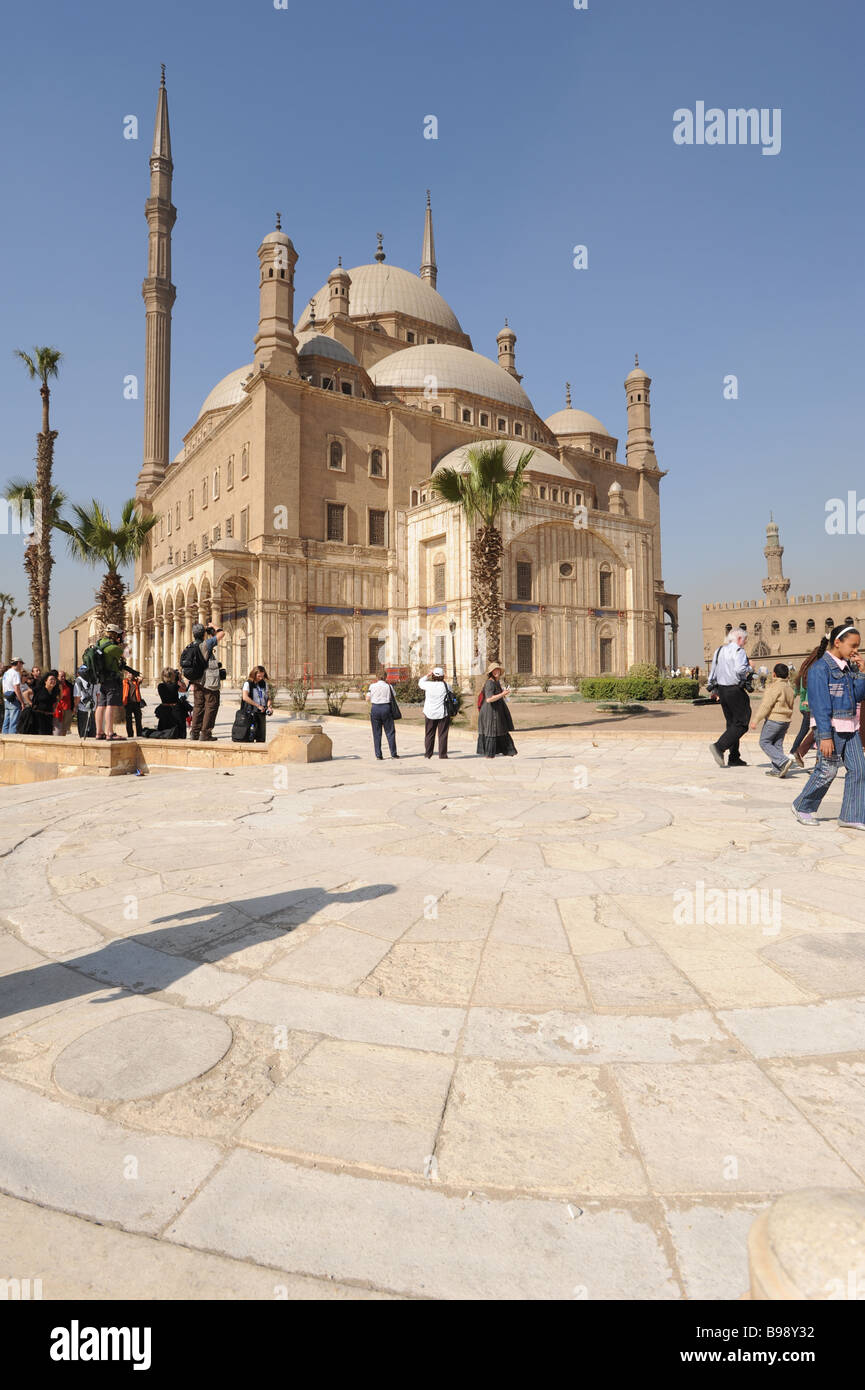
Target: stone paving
point(510, 1029)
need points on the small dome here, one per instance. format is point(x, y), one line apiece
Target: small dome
point(565, 422)
point(319, 345)
point(276, 239)
point(541, 461)
point(506, 332)
point(381, 288)
point(454, 369)
point(616, 487)
point(339, 272)
point(636, 373)
point(229, 391)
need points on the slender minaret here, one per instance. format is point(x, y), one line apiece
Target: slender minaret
point(275, 343)
point(506, 340)
point(775, 586)
point(159, 295)
point(429, 269)
point(640, 448)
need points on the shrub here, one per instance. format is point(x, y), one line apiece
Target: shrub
point(298, 693)
point(515, 681)
point(620, 688)
point(409, 691)
point(645, 669)
point(335, 695)
point(545, 682)
point(680, 688)
point(599, 687)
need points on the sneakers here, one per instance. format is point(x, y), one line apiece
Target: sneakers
point(852, 824)
point(797, 758)
point(739, 762)
point(805, 817)
point(785, 767)
point(719, 757)
point(773, 772)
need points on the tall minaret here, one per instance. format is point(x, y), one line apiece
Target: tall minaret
point(640, 448)
point(159, 295)
point(275, 343)
point(429, 269)
point(506, 340)
point(775, 586)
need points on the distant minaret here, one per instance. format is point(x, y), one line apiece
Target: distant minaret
point(159, 295)
point(775, 586)
point(640, 448)
point(429, 269)
point(506, 341)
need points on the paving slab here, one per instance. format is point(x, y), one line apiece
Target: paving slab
point(142, 1055)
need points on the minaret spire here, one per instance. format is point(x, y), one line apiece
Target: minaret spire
point(159, 295)
point(429, 269)
point(775, 586)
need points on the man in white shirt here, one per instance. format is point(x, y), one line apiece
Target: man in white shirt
point(730, 670)
point(381, 716)
point(12, 702)
point(436, 717)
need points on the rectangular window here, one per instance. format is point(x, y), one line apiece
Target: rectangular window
point(244, 526)
point(437, 410)
point(327, 383)
point(335, 521)
point(543, 491)
point(518, 429)
point(440, 650)
point(467, 416)
point(229, 526)
point(606, 594)
point(336, 656)
point(438, 583)
point(191, 506)
point(177, 517)
point(409, 337)
point(524, 654)
point(229, 473)
point(606, 655)
point(204, 542)
point(555, 494)
point(485, 420)
point(378, 528)
point(502, 425)
point(204, 493)
point(162, 528)
point(524, 581)
point(346, 388)
point(244, 461)
point(168, 518)
point(374, 660)
point(215, 484)
point(217, 533)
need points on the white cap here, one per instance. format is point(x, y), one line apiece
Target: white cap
point(437, 671)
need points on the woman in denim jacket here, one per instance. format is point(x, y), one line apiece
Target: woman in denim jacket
point(835, 689)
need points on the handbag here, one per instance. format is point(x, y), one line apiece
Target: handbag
point(394, 707)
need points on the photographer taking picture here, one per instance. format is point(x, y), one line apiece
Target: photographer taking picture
point(200, 666)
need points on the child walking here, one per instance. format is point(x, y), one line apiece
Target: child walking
point(776, 710)
point(835, 690)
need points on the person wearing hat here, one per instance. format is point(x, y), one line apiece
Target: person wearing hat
point(84, 703)
point(436, 717)
point(494, 717)
point(205, 690)
point(109, 690)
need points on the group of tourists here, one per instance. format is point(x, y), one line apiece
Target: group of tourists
point(829, 692)
point(495, 724)
point(37, 702)
point(692, 672)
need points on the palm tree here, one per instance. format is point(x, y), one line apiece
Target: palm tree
point(13, 613)
point(483, 491)
point(44, 363)
point(21, 496)
point(5, 601)
point(95, 541)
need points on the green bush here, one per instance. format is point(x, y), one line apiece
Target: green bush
point(620, 688)
point(335, 694)
point(680, 688)
point(298, 693)
point(545, 682)
point(515, 681)
point(645, 669)
point(599, 687)
point(408, 691)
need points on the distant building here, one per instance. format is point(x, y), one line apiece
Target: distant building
point(780, 628)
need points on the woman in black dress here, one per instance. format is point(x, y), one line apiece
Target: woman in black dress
point(494, 718)
point(171, 710)
point(45, 695)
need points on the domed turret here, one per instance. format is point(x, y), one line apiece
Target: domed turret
point(339, 282)
point(506, 340)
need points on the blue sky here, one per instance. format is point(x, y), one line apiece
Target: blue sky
point(555, 128)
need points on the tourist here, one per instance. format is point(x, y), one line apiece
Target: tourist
point(35, 675)
point(436, 718)
point(258, 702)
point(730, 678)
point(173, 706)
point(494, 717)
point(381, 702)
point(205, 688)
point(45, 695)
point(13, 704)
point(835, 690)
point(804, 740)
point(109, 688)
point(776, 710)
point(63, 709)
point(133, 703)
point(84, 703)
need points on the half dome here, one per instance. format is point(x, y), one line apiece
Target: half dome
point(576, 422)
point(541, 461)
point(454, 369)
point(320, 345)
point(381, 288)
point(228, 391)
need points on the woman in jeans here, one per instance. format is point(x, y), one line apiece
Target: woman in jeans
point(835, 691)
point(254, 695)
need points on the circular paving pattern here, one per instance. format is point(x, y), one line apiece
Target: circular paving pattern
point(143, 1055)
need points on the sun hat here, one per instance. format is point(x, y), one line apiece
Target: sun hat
point(437, 671)
point(494, 666)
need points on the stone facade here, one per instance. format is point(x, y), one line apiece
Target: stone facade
point(298, 512)
point(780, 627)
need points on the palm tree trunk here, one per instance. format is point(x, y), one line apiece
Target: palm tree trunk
point(486, 589)
point(44, 470)
point(31, 565)
point(7, 660)
point(111, 599)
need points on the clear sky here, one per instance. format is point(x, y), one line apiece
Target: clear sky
point(555, 129)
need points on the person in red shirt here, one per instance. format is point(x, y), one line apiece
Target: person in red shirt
point(64, 707)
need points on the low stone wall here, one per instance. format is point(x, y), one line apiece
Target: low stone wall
point(37, 758)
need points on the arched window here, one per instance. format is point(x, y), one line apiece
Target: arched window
point(605, 596)
point(848, 622)
point(830, 623)
point(792, 626)
point(439, 579)
point(524, 581)
point(414, 497)
point(729, 627)
point(776, 628)
point(335, 456)
point(758, 627)
point(809, 626)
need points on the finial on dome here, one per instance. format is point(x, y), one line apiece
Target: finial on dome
point(339, 261)
point(506, 320)
point(428, 203)
point(279, 221)
point(772, 518)
point(567, 395)
point(162, 79)
point(636, 359)
point(312, 313)
point(379, 255)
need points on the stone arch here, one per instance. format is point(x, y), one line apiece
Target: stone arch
point(238, 648)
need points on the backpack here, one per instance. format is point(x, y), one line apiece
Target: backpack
point(94, 659)
point(241, 729)
point(452, 703)
point(192, 663)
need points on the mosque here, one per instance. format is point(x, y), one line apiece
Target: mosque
point(298, 514)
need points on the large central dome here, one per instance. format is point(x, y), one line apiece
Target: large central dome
point(382, 289)
point(454, 369)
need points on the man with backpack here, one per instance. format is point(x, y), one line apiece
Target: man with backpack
point(104, 665)
point(200, 666)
